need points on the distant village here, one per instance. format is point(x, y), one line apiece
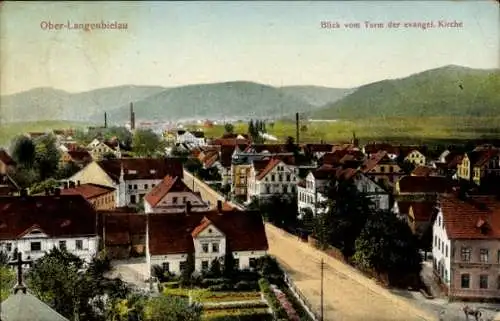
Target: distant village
point(156, 209)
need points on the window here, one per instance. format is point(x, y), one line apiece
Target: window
point(215, 247)
point(237, 266)
point(252, 262)
point(133, 199)
point(483, 255)
point(152, 185)
point(8, 247)
point(204, 265)
point(129, 186)
point(446, 251)
point(182, 265)
point(439, 245)
point(272, 178)
point(498, 257)
point(435, 240)
point(483, 281)
point(382, 169)
point(79, 244)
point(465, 284)
point(288, 177)
point(36, 246)
point(465, 253)
point(174, 200)
point(439, 221)
point(145, 186)
point(135, 186)
point(184, 199)
point(166, 266)
point(62, 245)
point(204, 247)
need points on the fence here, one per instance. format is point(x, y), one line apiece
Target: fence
point(301, 298)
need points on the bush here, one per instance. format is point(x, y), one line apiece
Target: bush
point(246, 286)
point(220, 287)
point(210, 281)
point(171, 285)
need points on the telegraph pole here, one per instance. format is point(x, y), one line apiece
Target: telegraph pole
point(322, 269)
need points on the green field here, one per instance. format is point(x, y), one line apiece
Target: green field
point(397, 130)
point(10, 130)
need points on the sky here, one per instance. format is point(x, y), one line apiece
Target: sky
point(276, 43)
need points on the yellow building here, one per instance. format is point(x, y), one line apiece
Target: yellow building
point(100, 196)
point(415, 157)
point(239, 179)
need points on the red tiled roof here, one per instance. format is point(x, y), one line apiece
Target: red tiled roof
point(424, 171)
point(377, 147)
point(461, 217)
point(171, 233)
point(485, 155)
point(425, 184)
point(423, 211)
point(120, 227)
point(205, 222)
point(338, 157)
point(315, 148)
point(272, 148)
point(271, 163)
point(344, 174)
point(324, 172)
point(79, 155)
point(57, 216)
point(243, 143)
point(88, 191)
point(6, 159)
point(373, 161)
point(145, 168)
point(210, 158)
point(167, 185)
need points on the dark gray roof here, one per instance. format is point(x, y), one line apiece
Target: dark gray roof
point(26, 307)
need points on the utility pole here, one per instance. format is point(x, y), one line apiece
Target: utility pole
point(322, 269)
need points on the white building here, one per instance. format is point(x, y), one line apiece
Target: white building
point(195, 138)
point(277, 177)
point(35, 225)
point(171, 195)
point(466, 246)
point(206, 236)
point(132, 178)
point(99, 148)
point(311, 192)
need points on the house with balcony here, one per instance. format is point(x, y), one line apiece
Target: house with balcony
point(206, 236)
point(171, 195)
point(132, 178)
point(34, 225)
point(466, 246)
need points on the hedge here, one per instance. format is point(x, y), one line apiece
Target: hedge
point(278, 310)
point(253, 317)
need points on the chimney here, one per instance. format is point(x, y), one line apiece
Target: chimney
point(57, 192)
point(297, 128)
point(188, 207)
point(71, 184)
point(105, 120)
point(65, 184)
point(77, 183)
point(219, 206)
point(132, 116)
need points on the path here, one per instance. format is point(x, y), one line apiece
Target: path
point(348, 295)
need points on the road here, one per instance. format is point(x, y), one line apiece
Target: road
point(348, 295)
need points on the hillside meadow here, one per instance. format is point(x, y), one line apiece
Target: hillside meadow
point(397, 130)
point(11, 130)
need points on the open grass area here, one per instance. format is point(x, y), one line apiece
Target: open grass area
point(397, 130)
point(10, 130)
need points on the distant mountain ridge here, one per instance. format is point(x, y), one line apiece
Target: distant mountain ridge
point(228, 99)
point(446, 91)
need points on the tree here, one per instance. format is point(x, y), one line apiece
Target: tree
point(346, 215)
point(123, 135)
point(67, 170)
point(387, 245)
point(229, 262)
point(46, 156)
point(215, 270)
point(172, 308)
point(7, 276)
point(280, 210)
point(24, 176)
point(147, 144)
point(187, 273)
point(228, 128)
point(40, 187)
point(60, 280)
point(23, 151)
